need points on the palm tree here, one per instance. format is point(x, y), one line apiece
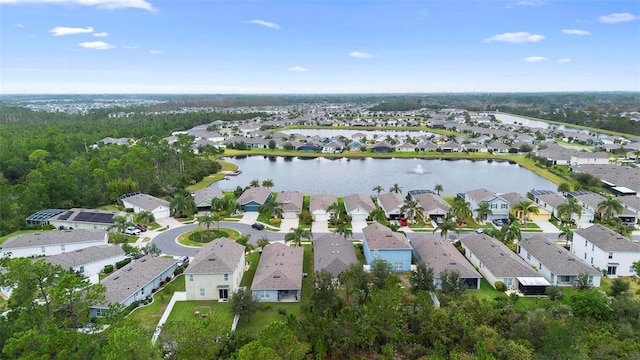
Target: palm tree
point(344, 230)
point(483, 210)
point(216, 218)
point(610, 205)
point(182, 206)
point(378, 189)
point(461, 210)
point(296, 235)
point(262, 242)
point(271, 208)
point(394, 227)
point(509, 233)
point(205, 220)
point(377, 214)
point(564, 187)
point(268, 183)
point(120, 223)
point(254, 183)
point(438, 188)
point(566, 210)
point(145, 217)
point(412, 209)
point(219, 204)
point(336, 209)
point(525, 207)
point(395, 189)
point(446, 226)
point(567, 234)
point(244, 241)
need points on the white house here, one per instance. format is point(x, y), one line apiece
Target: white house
point(89, 261)
point(606, 250)
point(581, 158)
point(359, 206)
point(291, 203)
point(55, 242)
point(318, 205)
point(134, 282)
point(391, 203)
point(216, 270)
point(499, 206)
point(84, 219)
point(558, 265)
point(139, 202)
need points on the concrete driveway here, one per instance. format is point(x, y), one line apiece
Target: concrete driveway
point(357, 226)
point(288, 224)
point(249, 218)
point(320, 227)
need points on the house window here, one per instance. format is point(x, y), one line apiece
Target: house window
point(504, 206)
point(201, 292)
point(592, 247)
point(590, 279)
point(585, 243)
point(190, 277)
point(264, 294)
point(591, 261)
point(564, 279)
point(62, 248)
point(610, 255)
point(101, 312)
point(585, 256)
point(611, 270)
point(81, 269)
point(376, 253)
point(226, 277)
point(494, 206)
point(508, 281)
point(42, 249)
point(528, 256)
point(398, 265)
point(539, 266)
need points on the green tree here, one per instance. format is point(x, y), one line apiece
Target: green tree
point(461, 210)
point(278, 336)
point(254, 183)
point(296, 235)
point(582, 282)
point(483, 210)
point(268, 183)
point(196, 339)
point(120, 223)
point(128, 340)
point(609, 206)
point(567, 234)
point(564, 187)
point(244, 304)
point(380, 270)
point(618, 287)
point(438, 189)
point(256, 351)
point(566, 210)
point(345, 230)
point(377, 214)
point(151, 249)
point(182, 206)
point(244, 241)
point(262, 242)
point(524, 208)
point(356, 284)
point(510, 233)
point(590, 304)
point(395, 189)
point(206, 220)
point(412, 209)
point(216, 218)
point(324, 298)
point(378, 189)
point(451, 283)
point(422, 278)
point(446, 226)
point(145, 217)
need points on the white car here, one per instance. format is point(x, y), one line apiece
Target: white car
point(132, 230)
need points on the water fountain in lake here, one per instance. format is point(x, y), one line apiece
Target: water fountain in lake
point(418, 170)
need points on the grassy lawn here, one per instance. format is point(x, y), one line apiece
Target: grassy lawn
point(184, 238)
point(185, 310)
point(150, 314)
point(247, 278)
point(486, 291)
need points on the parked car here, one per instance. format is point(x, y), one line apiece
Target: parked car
point(498, 222)
point(258, 226)
point(132, 230)
point(141, 227)
point(403, 222)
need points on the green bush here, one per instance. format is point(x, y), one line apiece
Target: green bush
point(275, 221)
point(120, 264)
point(282, 311)
point(500, 286)
point(108, 269)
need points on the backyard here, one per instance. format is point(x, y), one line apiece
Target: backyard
point(149, 315)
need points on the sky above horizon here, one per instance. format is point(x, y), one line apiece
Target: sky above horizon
point(317, 46)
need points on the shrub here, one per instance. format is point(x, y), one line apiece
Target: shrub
point(108, 269)
point(266, 306)
point(282, 311)
point(275, 221)
point(500, 286)
point(120, 264)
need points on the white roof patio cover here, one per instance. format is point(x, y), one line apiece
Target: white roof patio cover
point(533, 281)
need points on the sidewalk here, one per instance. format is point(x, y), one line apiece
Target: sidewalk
point(177, 296)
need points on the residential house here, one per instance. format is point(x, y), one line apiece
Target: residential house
point(254, 197)
point(514, 198)
point(558, 265)
point(279, 274)
point(359, 206)
point(589, 202)
point(606, 250)
point(450, 146)
point(427, 146)
point(379, 242)
point(497, 147)
point(89, 261)
point(333, 253)
point(48, 243)
point(143, 202)
point(382, 147)
point(318, 205)
point(442, 256)
point(498, 205)
point(204, 197)
point(291, 203)
point(584, 157)
point(496, 262)
point(84, 219)
point(216, 270)
point(631, 204)
point(391, 203)
point(355, 146)
point(406, 147)
point(134, 282)
point(549, 200)
point(333, 147)
point(435, 207)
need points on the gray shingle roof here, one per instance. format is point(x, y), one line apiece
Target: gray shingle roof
point(280, 268)
point(553, 199)
point(381, 237)
point(606, 239)
point(131, 278)
point(480, 194)
point(85, 256)
point(391, 201)
point(203, 197)
point(290, 200)
point(362, 201)
point(321, 201)
point(56, 237)
point(432, 202)
point(556, 258)
point(497, 257)
point(333, 253)
point(260, 195)
point(220, 256)
point(442, 255)
point(514, 198)
point(145, 201)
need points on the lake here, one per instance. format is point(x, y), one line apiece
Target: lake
point(347, 176)
point(512, 119)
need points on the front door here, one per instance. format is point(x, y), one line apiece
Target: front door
point(224, 294)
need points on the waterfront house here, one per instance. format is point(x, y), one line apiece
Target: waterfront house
point(143, 202)
point(291, 202)
point(498, 205)
point(319, 204)
point(252, 198)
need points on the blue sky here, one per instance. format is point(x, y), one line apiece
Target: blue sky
point(320, 46)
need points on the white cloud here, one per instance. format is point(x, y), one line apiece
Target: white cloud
point(298, 69)
point(515, 37)
point(155, 52)
point(20, 25)
point(63, 30)
point(533, 59)
point(264, 23)
point(361, 55)
point(129, 47)
point(100, 4)
point(617, 18)
point(576, 32)
point(563, 61)
point(529, 3)
point(101, 34)
point(97, 45)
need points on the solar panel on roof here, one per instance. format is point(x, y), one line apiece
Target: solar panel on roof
point(66, 215)
point(94, 217)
